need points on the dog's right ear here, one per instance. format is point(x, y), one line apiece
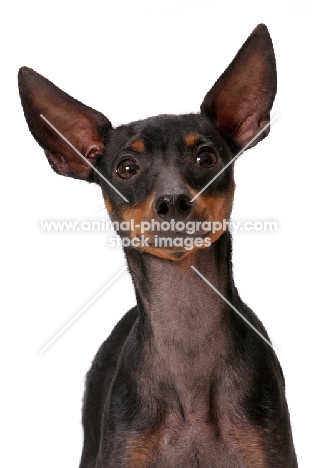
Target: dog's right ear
point(85, 128)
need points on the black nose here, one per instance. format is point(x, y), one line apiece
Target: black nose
point(176, 207)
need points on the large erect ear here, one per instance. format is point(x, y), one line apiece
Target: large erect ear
point(82, 126)
point(240, 101)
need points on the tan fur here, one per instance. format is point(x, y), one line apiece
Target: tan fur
point(191, 140)
point(142, 449)
point(138, 146)
point(215, 208)
point(108, 204)
point(249, 442)
point(206, 208)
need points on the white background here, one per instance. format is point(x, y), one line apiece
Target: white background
point(131, 60)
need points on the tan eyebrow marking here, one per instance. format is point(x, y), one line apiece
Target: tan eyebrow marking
point(191, 140)
point(138, 146)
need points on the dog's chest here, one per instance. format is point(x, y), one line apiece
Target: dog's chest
point(187, 412)
point(193, 444)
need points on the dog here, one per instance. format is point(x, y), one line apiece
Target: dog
point(183, 380)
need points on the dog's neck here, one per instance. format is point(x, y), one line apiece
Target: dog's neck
point(183, 317)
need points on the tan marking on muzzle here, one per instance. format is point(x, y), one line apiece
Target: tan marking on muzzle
point(138, 213)
point(108, 204)
point(214, 209)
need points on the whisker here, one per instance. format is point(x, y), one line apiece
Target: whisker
point(96, 207)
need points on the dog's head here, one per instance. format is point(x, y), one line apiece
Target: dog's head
point(152, 170)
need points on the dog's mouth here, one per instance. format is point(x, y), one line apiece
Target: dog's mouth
point(174, 238)
point(171, 239)
point(176, 234)
point(174, 245)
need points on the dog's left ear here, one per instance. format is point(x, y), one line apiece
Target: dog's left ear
point(240, 101)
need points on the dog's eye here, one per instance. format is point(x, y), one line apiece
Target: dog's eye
point(206, 158)
point(127, 168)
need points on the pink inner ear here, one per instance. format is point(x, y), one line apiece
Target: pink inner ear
point(65, 160)
point(240, 101)
point(82, 126)
point(82, 134)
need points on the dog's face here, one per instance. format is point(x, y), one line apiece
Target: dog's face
point(161, 163)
